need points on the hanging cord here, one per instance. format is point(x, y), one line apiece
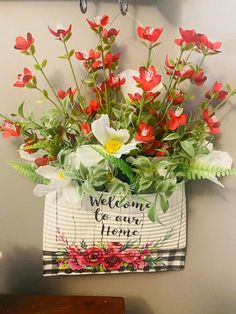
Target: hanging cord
point(83, 6)
point(123, 6)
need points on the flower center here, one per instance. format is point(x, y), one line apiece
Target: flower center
point(112, 146)
point(178, 112)
point(61, 175)
point(149, 75)
point(144, 132)
point(150, 31)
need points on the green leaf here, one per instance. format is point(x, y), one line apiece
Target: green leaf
point(28, 170)
point(32, 49)
point(21, 110)
point(188, 148)
point(44, 63)
point(45, 93)
point(34, 80)
point(171, 137)
point(71, 53)
point(37, 67)
point(119, 163)
point(164, 202)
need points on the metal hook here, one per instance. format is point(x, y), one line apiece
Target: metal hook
point(83, 6)
point(123, 6)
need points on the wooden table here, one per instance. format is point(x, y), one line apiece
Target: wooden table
point(48, 304)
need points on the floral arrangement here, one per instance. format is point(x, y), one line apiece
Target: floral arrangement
point(125, 133)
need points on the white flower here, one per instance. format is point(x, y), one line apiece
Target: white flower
point(130, 85)
point(67, 188)
point(112, 142)
point(215, 158)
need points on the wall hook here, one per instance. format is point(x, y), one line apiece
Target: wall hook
point(83, 6)
point(123, 6)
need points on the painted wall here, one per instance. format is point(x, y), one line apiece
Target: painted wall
point(208, 283)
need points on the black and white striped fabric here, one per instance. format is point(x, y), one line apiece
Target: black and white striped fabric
point(99, 237)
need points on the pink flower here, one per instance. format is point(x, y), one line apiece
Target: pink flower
point(24, 78)
point(93, 256)
point(60, 33)
point(131, 255)
point(99, 21)
point(23, 44)
point(10, 129)
point(148, 78)
point(150, 34)
point(112, 261)
point(114, 246)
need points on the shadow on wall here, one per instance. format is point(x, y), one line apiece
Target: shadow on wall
point(170, 9)
point(137, 306)
point(23, 272)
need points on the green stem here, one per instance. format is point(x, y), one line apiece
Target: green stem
point(224, 101)
point(47, 80)
point(104, 75)
point(53, 102)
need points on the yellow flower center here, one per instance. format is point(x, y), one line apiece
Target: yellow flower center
point(61, 175)
point(112, 146)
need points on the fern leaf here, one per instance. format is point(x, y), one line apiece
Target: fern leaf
point(119, 163)
point(28, 171)
point(45, 144)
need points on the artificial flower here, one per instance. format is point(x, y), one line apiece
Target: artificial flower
point(10, 129)
point(70, 92)
point(112, 32)
point(199, 78)
point(85, 128)
point(110, 58)
point(187, 35)
point(201, 39)
point(98, 21)
point(93, 107)
point(31, 155)
point(114, 82)
point(150, 96)
point(66, 188)
point(150, 34)
point(212, 121)
point(87, 54)
point(60, 33)
point(148, 78)
point(176, 118)
point(93, 256)
point(23, 44)
point(112, 261)
point(23, 79)
point(145, 132)
point(217, 92)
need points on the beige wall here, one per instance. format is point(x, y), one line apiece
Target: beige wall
point(208, 283)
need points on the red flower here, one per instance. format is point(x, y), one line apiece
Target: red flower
point(109, 59)
point(217, 92)
point(201, 39)
point(150, 34)
point(23, 44)
point(24, 78)
point(70, 92)
point(10, 129)
point(131, 255)
point(188, 36)
point(85, 128)
point(110, 33)
point(112, 261)
point(77, 263)
point(199, 78)
point(114, 246)
point(93, 107)
point(93, 256)
point(145, 133)
point(175, 97)
point(99, 21)
point(114, 82)
point(42, 161)
point(176, 118)
point(148, 78)
point(186, 72)
point(149, 149)
point(60, 33)
point(87, 54)
point(213, 123)
point(148, 97)
point(165, 147)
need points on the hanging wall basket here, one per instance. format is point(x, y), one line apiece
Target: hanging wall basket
point(99, 237)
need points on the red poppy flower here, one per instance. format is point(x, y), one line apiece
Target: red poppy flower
point(87, 54)
point(70, 92)
point(109, 59)
point(93, 256)
point(112, 261)
point(114, 246)
point(148, 78)
point(187, 35)
point(93, 107)
point(60, 33)
point(99, 21)
point(217, 91)
point(131, 255)
point(148, 97)
point(150, 34)
point(10, 129)
point(112, 32)
point(24, 78)
point(145, 133)
point(114, 82)
point(176, 118)
point(23, 44)
point(199, 78)
point(85, 128)
point(211, 120)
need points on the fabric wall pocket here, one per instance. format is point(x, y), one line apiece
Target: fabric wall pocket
point(99, 237)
